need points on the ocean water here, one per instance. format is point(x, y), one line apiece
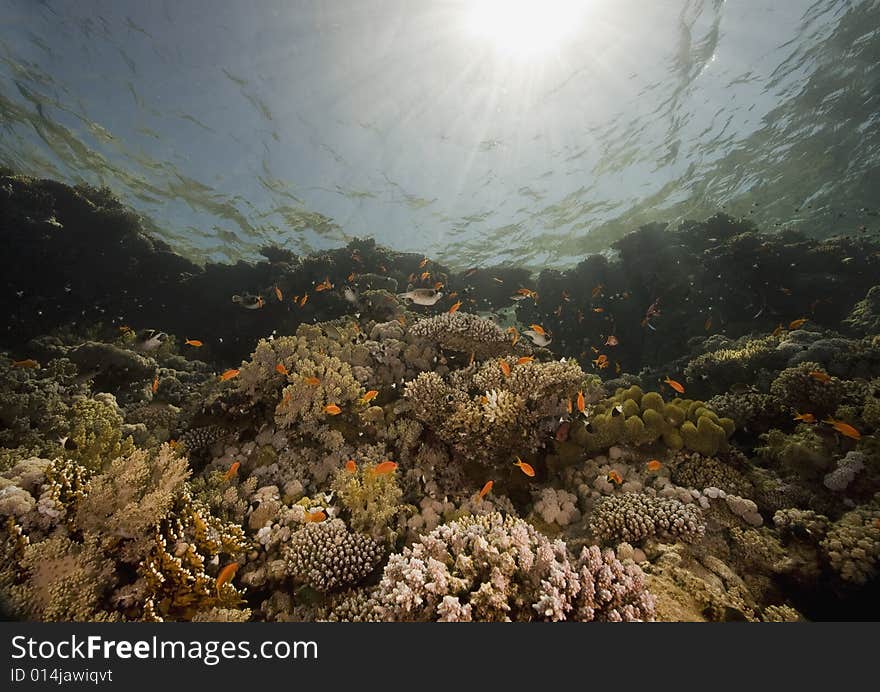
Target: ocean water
point(458, 310)
point(443, 127)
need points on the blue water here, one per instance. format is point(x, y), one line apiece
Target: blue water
point(231, 125)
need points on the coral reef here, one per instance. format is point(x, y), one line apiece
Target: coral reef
point(633, 517)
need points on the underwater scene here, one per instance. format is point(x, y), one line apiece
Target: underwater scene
point(461, 310)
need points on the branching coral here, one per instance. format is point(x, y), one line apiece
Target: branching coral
point(852, 544)
point(373, 501)
point(632, 517)
point(492, 568)
point(327, 556)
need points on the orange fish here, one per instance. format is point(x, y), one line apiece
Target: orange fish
point(280, 369)
point(614, 477)
point(155, 386)
point(423, 263)
point(538, 329)
point(819, 375)
point(233, 469)
point(229, 374)
point(325, 285)
point(566, 297)
point(313, 381)
point(369, 396)
point(28, 363)
point(317, 516)
point(597, 291)
point(611, 341)
point(304, 300)
point(800, 322)
point(486, 488)
point(332, 409)
point(385, 467)
point(512, 331)
point(351, 277)
point(654, 465)
point(707, 325)
point(505, 368)
point(581, 404)
point(226, 574)
point(125, 329)
point(278, 294)
point(525, 468)
point(524, 360)
point(677, 386)
point(455, 307)
point(438, 285)
point(844, 429)
point(295, 298)
point(778, 331)
point(568, 405)
point(598, 309)
point(350, 466)
point(527, 293)
point(805, 417)
point(194, 343)
point(424, 275)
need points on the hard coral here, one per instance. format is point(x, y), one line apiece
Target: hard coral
point(632, 517)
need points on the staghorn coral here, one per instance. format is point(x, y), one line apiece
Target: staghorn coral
point(327, 556)
point(852, 544)
point(495, 568)
point(466, 333)
point(632, 517)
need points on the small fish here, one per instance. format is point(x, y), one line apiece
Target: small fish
point(233, 470)
point(786, 291)
point(844, 429)
point(497, 280)
point(800, 322)
point(598, 309)
point(438, 285)
point(279, 294)
point(150, 340)
point(369, 396)
point(537, 339)
point(313, 381)
point(280, 369)
point(597, 290)
point(317, 516)
point(385, 467)
point(195, 343)
point(524, 360)
point(538, 329)
point(295, 299)
point(612, 341)
point(226, 574)
point(350, 466)
point(471, 360)
point(617, 368)
point(423, 263)
point(707, 325)
point(29, 363)
point(581, 403)
point(424, 276)
point(352, 276)
point(350, 295)
point(485, 489)
point(614, 477)
point(125, 329)
point(653, 465)
point(455, 307)
point(601, 361)
point(805, 417)
point(505, 368)
point(422, 296)
point(332, 410)
point(568, 406)
point(823, 377)
point(249, 301)
point(304, 300)
point(155, 385)
point(514, 333)
point(677, 386)
point(229, 374)
point(779, 329)
point(525, 468)
point(562, 431)
point(566, 296)
point(558, 311)
point(325, 285)
point(471, 272)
